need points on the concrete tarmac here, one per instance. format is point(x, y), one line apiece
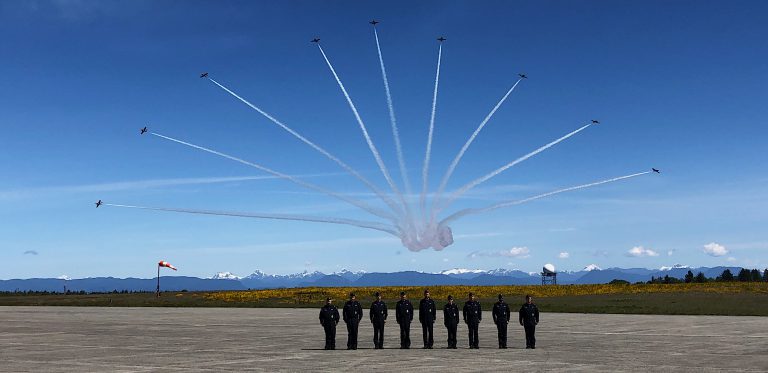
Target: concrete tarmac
point(73, 339)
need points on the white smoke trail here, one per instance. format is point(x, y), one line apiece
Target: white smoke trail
point(368, 140)
point(464, 148)
point(362, 205)
point(357, 223)
point(392, 204)
point(472, 211)
point(501, 169)
point(425, 169)
point(395, 131)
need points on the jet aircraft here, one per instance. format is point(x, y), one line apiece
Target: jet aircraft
point(595, 121)
point(656, 170)
point(441, 39)
point(99, 203)
point(522, 76)
point(315, 40)
point(143, 131)
point(374, 22)
point(204, 75)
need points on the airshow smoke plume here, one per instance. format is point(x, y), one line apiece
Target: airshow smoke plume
point(418, 227)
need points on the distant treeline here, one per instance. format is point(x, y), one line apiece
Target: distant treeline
point(745, 275)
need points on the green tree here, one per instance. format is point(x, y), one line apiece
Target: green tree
point(765, 275)
point(744, 275)
point(700, 278)
point(689, 277)
point(754, 275)
point(727, 275)
point(617, 281)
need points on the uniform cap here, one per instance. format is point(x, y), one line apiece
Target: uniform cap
point(450, 297)
point(471, 294)
point(376, 294)
point(351, 295)
point(328, 298)
point(402, 293)
point(426, 291)
point(501, 297)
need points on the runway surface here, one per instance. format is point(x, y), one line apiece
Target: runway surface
point(72, 339)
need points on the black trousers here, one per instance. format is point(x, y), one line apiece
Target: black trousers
point(378, 333)
point(501, 326)
point(473, 334)
point(405, 335)
point(530, 339)
point(426, 332)
point(451, 335)
point(352, 333)
point(330, 336)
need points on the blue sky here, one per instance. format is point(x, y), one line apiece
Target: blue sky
point(678, 85)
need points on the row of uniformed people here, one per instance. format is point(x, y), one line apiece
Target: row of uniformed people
point(471, 314)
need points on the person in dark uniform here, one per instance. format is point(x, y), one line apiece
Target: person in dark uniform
point(353, 313)
point(404, 316)
point(378, 315)
point(529, 318)
point(427, 316)
point(473, 314)
point(501, 318)
point(451, 321)
point(329, 317)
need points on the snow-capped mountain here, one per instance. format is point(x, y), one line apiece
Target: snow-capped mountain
point(225, 276)
point(592, 267)
point(461, 271)
point(349, 275)
point(509, 272)
point(260, 280)
point(466, 274)
point(676, 266)
point(305, 274)
point(256, 275)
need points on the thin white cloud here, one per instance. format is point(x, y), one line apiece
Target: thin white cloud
point(30, 252)
point(515, 252)
point(602, 253)
point(479, 235)
point(335, 244)
point(136, 184)
point(564, 255)
point(670, 252)
point(639, 251)
point(731, 259)
point(715, 249)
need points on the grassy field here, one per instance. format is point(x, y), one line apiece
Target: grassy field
point(684, 299)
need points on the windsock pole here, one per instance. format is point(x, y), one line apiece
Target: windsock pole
point(158, 281)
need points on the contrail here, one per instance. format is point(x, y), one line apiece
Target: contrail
point(472, 211)
point(392, 204)
point(425, 170)
point(395, 132)
point(331, 220)
point(499, 170)
point(362, 205)
point(371, 146)
point(464, 148)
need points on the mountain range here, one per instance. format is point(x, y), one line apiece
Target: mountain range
point(591, 274)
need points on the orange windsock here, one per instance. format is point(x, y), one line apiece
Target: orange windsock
point(166, 264)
